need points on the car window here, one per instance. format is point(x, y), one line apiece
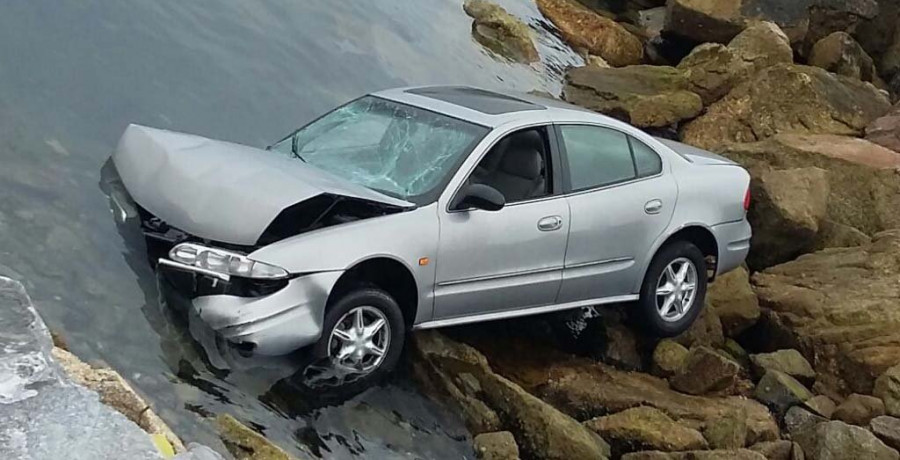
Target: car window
point(518, 166)
point(596, 156)
point(646, 160)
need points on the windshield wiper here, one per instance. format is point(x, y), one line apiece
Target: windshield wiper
point(294, 150)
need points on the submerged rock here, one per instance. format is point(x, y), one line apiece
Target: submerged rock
point(646, 428)
point(501, 32)
point(246, 444)
point(787, 98)
point(598, 35)
point(840, 441)
point(841, 54)
point(499, 445)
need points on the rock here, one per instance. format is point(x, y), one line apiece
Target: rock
point(645, 96)
point(887, 387)
point(246, 444)
point(887, 429)
point(706, 331)
point(738, 454)
point(622, 347)
point(714, 69)
point(668, 357)
point(787, 98)
point(774, 450)
point(842, 304)
point(840, 441)
point(734, 301)
point(542, 431)
point(829, 16)
point(703, 371)
point(737, 352)
point(501, 32)
point(500, 445)
point(791, 362)
point(889, 66)
point(596, 61)
point(885, 131)
point(859, 409)
point(841, 54)
point(861, 175)
point(585, 29)
point(780, 391)
point(720, 20)
point(646, 428)
point(836, 235)
point(786, 208)
point(729, 432)
point(797, 420)
point(822, 405)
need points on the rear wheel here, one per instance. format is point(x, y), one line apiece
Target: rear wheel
point(674, 289)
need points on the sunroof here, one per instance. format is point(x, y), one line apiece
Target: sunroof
point(476, 99)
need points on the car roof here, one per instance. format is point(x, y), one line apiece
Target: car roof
point(484, 107)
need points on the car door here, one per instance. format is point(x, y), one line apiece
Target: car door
point(621, 199)
point(491, 262)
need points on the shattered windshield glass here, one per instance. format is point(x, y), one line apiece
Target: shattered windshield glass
point(401, 150)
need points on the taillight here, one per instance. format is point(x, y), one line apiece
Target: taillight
point(747, 200)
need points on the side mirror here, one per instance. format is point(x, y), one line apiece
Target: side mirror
point(480, 196)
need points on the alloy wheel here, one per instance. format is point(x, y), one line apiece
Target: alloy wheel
point(676, 289)
point(360, 340)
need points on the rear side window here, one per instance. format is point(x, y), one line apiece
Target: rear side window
point(597, 156)
point(646, 160)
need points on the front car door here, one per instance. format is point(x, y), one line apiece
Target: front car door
point(493, 262)
point(622, 199)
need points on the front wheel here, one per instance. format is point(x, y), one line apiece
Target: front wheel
point(674, 289)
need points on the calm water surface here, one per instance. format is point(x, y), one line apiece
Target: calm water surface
point(74, 74)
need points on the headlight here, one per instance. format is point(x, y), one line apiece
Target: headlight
point(224, 262)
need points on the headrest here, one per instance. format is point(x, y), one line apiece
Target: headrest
point(526, 163)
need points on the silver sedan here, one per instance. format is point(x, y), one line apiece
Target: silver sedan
point(419, 208)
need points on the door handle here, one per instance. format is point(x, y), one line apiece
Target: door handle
point(653, 207)
point(549, 224)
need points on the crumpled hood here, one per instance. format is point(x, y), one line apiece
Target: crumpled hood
point(218, 190)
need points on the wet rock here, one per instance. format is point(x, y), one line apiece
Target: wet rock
point(780, 391)
point(774, 450)
point(729, 432)
point(714, 69)
point(798, 419)
point(706, 331)
point(861, 175)
point(787, 206)
point(842, 304)
point(645, 96)
point(887, 429)
point(732, 299)
point(829, 16)
point(645, 428)
point(720, 20)
point(822, 405)
point(585, 29)
point(791, 362)
point(836, 235)
point(885, 131)
point(501, 32)
point(738, 454)
point(668, 356)
point(542, 431)
point(246, 444)
point(787, 98)
point(887, 387)
point(500, 445)
point(859, 409)
point(841, 54)
point(704, 371)
point(840, 441)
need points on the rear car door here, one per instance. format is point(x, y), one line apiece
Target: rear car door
point(621, 199)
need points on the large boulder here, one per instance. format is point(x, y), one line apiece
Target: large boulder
point(887, 387)
point(840, 441)
point(787, 206)
point(668, 356)
point(829, 16)
point(887, 429)
point(787, 98)
point(729, 432)
point(706, 331)
point(705, 370)
point(500, 445)
point(841, 306)
point(645, 96)
point(500, 31)
point(595, 34)
point(837, 235)
point(859, 409)
point(865, 192)
point(841, 54)
point(714, 69)
point(885, 131)
point(798, 419)
point(720, 20)
point(791, 362)
point(645, 427)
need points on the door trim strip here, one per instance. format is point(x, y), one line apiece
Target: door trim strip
point(476, 279)
point(600, 262)
point(523, 312)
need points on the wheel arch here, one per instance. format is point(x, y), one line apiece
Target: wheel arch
point(697, 234)
point(386, 273)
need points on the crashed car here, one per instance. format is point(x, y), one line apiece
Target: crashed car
point(420, 208)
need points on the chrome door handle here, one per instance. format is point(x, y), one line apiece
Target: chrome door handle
point(653, 207)
point(549, 224)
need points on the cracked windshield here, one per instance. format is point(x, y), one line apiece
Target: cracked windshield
point(450, 229)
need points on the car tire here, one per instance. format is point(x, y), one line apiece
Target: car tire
point(375, 304)
point(668, 315)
